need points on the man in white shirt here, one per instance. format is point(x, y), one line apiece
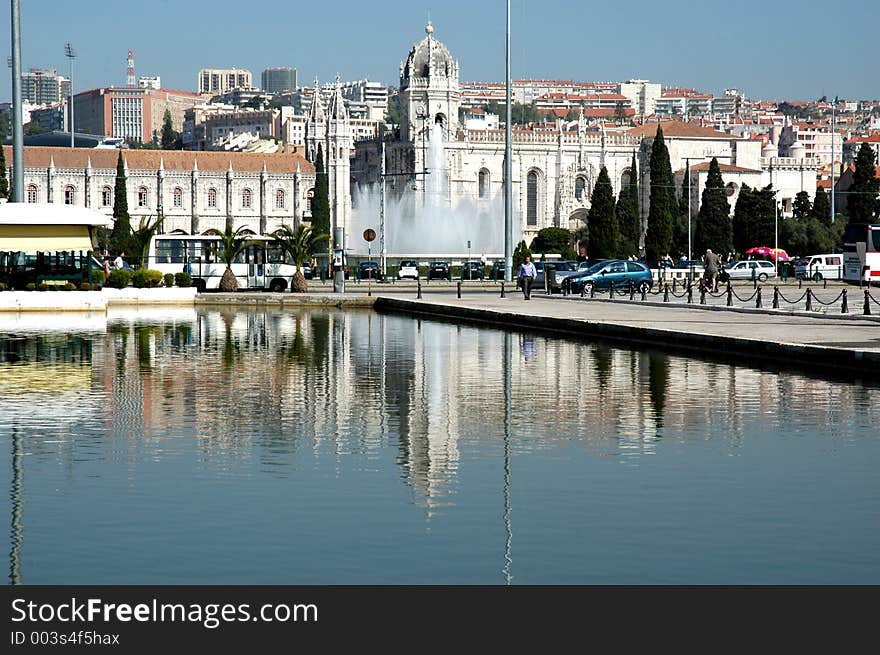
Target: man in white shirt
point(527, 275)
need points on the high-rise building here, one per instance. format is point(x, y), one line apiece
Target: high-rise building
point(150, 82)
point(279, 79)
point(43, 86)
point(216, 80)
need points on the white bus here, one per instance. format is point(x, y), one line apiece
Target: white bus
point(262, 265)
point(861, 253)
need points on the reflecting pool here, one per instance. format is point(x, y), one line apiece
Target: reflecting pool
point(320, 446)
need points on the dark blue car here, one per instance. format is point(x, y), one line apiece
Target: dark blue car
point(617, 271)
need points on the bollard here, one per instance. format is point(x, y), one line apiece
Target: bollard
point(666, 293)
point(674, 285)
point(419, 290)
point(583, 291)
point(690, 293)
point(729, 294)
point(844, 306)
point(593, 291)
point(502, 289)
point(459, 290)
point(611, 289)
point(632, 291)
point(824, 282)
point(800, 283)
point(775, 297)
point(758, 302)
point(867, 310)
point(644, 293)
point(702, 295)
point(809, 300)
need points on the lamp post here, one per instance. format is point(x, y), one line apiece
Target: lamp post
point(71, 55)
point(508, 168)
point(17, 127)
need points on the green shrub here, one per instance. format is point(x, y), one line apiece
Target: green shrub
point(139, 278)
point(69, 286)
point(169, 279)
point(42, 286)
point(2, 287)
point(183, 279)
point(98, 277)
point(154, 278)
point(118, 279)
point(30, 286)
point(85, 286)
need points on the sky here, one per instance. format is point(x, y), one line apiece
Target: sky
point(773, 50)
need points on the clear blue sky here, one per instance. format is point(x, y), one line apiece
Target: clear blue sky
point(767, 49)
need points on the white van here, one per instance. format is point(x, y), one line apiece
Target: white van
point(820, 267)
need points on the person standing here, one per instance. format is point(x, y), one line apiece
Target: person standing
point(527, 275)
point(713, 264)
point(582, 251)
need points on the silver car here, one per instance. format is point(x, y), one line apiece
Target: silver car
point(751, 269)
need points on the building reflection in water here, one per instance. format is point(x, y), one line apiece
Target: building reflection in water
point(277, 387)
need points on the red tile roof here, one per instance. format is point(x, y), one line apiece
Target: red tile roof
point(679, 129)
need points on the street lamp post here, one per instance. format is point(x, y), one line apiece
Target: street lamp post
point(17, 126)
point(508, 168)
point(71, 55)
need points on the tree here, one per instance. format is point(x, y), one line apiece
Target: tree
point(822, 207)
point(254, 103)
point(519, 255)
point(862, 202)
point(298, 244)
point(232, 243)
point(169, 134)
point(321, 201)
point(4, 182)
point(139, 240)
point(5, 126)
point(629, 221)
point(604, 233)
point(551, 240)
point(754, 218)
point(119, 238)
point(658, 238)
point(803, 208)
point(714, 229)
point(683, 222)
point(620, 113)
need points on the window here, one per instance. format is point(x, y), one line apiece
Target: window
point(484, 184)
point(310, 197)
point(832, 261)
point(580, 185)
point(32, 193)
point(532, 199)
point(142, 197)
point(247, 198)
point(178, 197)
point(633, 267)
point(279, 199)
point(212, 197)
point(106, 197)
point(69, 195)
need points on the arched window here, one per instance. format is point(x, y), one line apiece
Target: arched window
point(580, 185)
point(106, 196)
point(532, 199)
point(279, 199)
point(483, 190)
point(246, 198)
point(32, 193)
point(178, 197)
point(310, 197)
point(69, 195)
point(142, 197)
point(625, 179)
point(212, 197)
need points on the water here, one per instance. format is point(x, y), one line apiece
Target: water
point(256, 446)
point(438, 222)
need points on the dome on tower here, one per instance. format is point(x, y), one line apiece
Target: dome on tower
point(428, 58)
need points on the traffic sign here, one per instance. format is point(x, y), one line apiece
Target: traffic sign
point(369, 235)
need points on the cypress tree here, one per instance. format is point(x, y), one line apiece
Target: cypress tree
point(661, 214)
point(119, 238)
point(862, 203)
point(321, 201)
point(683, 223)
point(628, 219)
point(169, 136)
point(822, 207)
point(4, 182)
point(714, 229)
point(803, 208)
point(743, 214)
point(604, 233)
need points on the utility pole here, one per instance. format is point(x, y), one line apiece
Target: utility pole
point(833, 130)
point(382, 252)
point(508, 169)
point(17, 127)
point(71, 55)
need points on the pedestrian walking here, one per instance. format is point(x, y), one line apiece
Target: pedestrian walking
point(527, 275)
point(712, 263)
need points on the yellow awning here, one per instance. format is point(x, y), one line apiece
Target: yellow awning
point(44, 238)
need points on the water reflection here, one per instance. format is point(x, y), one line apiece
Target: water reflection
point(265, 395)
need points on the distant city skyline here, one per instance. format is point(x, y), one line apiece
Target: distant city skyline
point(780, 51)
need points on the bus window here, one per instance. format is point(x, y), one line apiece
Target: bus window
point(169, 251)
point(274, 253)
point(875, 233)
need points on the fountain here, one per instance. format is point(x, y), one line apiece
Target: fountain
point(434, 223)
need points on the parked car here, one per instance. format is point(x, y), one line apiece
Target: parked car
point(819, 267)
point(617, 271)
point(752, 269)
point(440, 271)
point(409, 270)
point(371, 270)
point(472, 271)
point(688, 263)
point(498, 270)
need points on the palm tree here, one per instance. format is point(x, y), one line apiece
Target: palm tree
point(231, 245)
point(141, 237)
point(298, 244)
